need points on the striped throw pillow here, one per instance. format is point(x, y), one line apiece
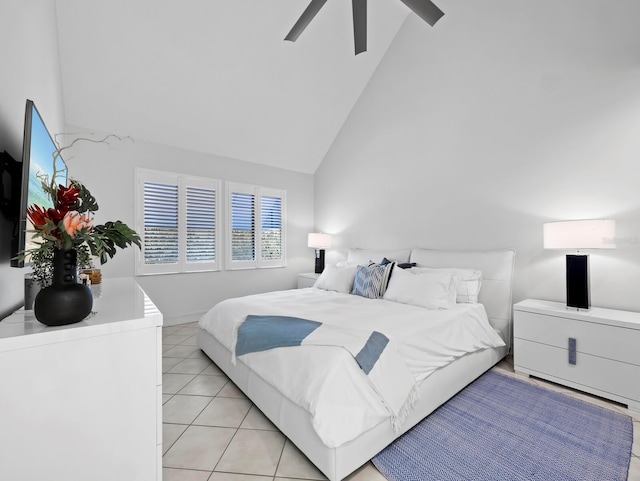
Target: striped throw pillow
point(371, 281)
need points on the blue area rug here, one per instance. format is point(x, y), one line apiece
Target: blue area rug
point(501, 428)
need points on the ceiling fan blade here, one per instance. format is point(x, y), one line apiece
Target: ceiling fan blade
point(425, 9)
point(360, 25)
point(304, 20)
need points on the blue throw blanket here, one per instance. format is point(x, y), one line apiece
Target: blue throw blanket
point(260, 333)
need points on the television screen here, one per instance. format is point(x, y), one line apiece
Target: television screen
point(40, 158)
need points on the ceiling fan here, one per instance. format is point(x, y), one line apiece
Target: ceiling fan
point(425, 9)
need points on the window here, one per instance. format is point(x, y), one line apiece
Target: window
point(255, 227)
point(177, 218)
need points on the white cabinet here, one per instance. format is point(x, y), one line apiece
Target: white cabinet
point(307, 279)
point(83, 401)
point(596, 351)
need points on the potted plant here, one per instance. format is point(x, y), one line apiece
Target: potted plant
point(66, 235)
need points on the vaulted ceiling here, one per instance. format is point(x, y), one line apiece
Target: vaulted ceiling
point(215, 76)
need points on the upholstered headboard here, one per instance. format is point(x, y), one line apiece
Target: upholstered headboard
point(497, 279)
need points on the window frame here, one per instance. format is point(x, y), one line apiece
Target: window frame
point(182, 181)
point(258, 192)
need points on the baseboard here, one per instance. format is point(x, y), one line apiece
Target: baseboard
point(184, 319)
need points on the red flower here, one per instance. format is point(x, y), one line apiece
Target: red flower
point(67, 198)
point(55, 215)
point(39, 217)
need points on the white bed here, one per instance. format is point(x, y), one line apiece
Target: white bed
point(338, 459)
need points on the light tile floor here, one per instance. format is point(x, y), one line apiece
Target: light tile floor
point(212, 432)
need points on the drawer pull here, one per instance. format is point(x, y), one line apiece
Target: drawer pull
point(572, 351)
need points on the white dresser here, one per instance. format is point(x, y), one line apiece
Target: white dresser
point(597, 351)
point(84, 401)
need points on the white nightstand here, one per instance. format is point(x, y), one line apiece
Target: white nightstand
point(596, 351)
point(307, 279)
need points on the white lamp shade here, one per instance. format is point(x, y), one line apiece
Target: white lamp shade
point(318, 240)
point(580, 234)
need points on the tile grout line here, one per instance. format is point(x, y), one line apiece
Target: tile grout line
point(280, 458)
point(224, 451)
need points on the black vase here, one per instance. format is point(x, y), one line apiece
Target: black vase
point(64, 301)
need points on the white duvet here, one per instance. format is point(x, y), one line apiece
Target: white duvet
point(325, 380)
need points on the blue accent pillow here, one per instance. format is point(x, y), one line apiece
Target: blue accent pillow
point(371, 281)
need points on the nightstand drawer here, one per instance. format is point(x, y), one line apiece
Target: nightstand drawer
point(609, 342)
point(606, 377)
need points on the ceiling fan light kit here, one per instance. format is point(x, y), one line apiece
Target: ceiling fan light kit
point(425, 9)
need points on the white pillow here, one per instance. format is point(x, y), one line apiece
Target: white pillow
point(335, 278)
point(429, 290)
point(468, 281)
point(363, 257)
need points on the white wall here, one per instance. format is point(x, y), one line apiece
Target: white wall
point(108, 171)
point(30, 70)
point(505, 115)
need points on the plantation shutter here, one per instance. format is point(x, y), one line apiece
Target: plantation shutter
point(177, 216)
point(271, 228)
point(160, 233)
point(201, 224)
point(255, 233)
point(243, 234)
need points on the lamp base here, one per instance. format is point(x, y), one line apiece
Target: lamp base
point(577, 309)
point(319, 261)
point(578, 281)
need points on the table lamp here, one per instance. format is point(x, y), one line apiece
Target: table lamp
point(319, 242)
point(579, 234)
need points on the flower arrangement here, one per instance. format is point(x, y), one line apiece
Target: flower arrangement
point(69, 225)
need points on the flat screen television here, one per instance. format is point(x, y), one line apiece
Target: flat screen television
point(40, 157)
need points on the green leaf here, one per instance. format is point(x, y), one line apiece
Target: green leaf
point(87, 202)
point(106, 238)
